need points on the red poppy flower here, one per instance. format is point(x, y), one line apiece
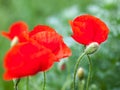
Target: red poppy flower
point(19, 29)
point(87, 29)
point(27, 58)
point(47, 37)
point(37, 52)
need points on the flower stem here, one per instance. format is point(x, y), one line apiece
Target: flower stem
point(89, 74)
point(27, 83)
point(76, 67)
point(44, 74)
point(16, 82)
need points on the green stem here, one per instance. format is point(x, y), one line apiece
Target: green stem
point(76, 67)
point(16, 82)
point(27, 83)
point(89, 74)
point(44, 80)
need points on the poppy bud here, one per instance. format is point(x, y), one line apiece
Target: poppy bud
point(63, 66)
point(80, 73)
point(14, 41)
point(91, 48)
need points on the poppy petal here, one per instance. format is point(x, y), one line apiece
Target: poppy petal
point(103, 31)
point(41, 28)
point(26, 59)
point(79, 35)
point(64, 51)
point(19, 29)
point(50, 40)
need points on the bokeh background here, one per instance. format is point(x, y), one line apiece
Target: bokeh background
point(57, 13)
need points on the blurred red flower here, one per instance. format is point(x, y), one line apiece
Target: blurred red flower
point(36, 51)
point(87, 29)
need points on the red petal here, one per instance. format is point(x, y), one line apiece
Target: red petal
point(64, 51)
point(5, 34)
point(79, 35)
point(103, 31)
point(50, 40)
point(87, 29)
point(26, 59)
point(40, 28)
point(19, 29)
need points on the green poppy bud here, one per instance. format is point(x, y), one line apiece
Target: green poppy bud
point(91, 48)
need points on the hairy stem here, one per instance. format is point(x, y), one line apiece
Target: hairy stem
point(76, 67)
point(89, 74)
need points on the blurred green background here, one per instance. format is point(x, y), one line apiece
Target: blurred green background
point(57, 13)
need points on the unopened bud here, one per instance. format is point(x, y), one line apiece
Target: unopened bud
point(14, 41)
point(62, 65)
point(91, 48)
point(80, 73)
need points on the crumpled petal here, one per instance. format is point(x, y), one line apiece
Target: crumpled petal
point(26, 59)
point(51, 40)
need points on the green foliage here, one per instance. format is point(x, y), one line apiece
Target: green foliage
point(106, 62)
